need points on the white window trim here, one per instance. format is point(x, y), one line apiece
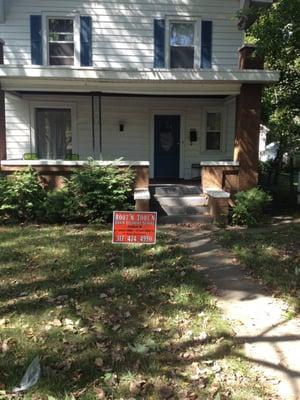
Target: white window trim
point(76, 17)
point(220, 110)
point(197, 38)
point(49, 104)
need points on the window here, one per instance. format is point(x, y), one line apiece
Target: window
point(213, 130)
point(182, 44)
point(61, 41)
point(53, 133)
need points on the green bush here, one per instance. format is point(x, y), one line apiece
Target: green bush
point(91, 195)
point(97, 191)
point(22, 197)
point(250, 206)
point(58, 206)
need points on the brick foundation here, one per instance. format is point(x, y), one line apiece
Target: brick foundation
point(220, 177)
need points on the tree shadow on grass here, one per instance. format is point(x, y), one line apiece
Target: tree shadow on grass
point(136, 314)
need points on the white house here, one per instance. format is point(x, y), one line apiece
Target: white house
point(157, 82)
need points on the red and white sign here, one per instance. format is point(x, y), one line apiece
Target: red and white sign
point(133, 227)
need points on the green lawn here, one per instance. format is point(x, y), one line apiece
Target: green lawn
point(272, 254)
point(142, 328)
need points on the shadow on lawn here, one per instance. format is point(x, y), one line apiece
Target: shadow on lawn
point(129, 311)
point(133, 314)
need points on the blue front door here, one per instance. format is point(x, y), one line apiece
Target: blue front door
point(166, 146)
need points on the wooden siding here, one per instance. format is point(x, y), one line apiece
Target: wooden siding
point(136, 142)
point(123, 30)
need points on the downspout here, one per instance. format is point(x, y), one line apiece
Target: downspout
point(100, 126)
point(93, 125)
point(3, 154)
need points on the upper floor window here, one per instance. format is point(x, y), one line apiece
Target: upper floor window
point(182, 44)
point(213, 130)
point(61, 41)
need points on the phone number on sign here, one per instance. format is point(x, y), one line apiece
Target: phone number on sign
point(134, 239)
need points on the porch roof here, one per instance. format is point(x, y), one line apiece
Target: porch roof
point(87, 80)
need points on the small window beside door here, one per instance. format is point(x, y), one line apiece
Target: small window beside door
point(213, 130)
point(53, 129)
point(61, 41)
point(182, 44)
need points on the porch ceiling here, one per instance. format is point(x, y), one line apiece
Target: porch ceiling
point(194, 82)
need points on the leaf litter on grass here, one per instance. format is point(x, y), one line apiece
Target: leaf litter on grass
point(107, 331)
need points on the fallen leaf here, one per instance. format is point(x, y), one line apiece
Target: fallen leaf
point(56, 322)
point(100, 394)
point(135, 387)
point(116, 327)
point(127, 314)
point(4, 346)
point(99, 362)
point(166, 391)
point(68, 321)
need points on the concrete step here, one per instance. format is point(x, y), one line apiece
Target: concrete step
point(182, 201)
point(183, 219)
point(177, 210)
point(175, 190)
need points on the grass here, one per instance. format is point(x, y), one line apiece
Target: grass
point(272, 254)
point(142, 327)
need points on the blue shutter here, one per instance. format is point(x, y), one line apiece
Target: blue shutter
point(86, 41)
point(206, 44)
point(159, 43)
point(36, 39)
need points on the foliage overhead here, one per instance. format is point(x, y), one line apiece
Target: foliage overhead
point(276, 33)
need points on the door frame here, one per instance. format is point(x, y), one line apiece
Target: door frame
point(170, 112)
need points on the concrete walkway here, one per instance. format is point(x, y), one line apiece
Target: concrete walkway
point(271, 342)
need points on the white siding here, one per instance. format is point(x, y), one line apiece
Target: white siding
point(20, 131)
point(123, 29)
point(137, 114)
point(17, 118)
point(136, 142)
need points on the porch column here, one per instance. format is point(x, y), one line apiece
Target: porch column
point(246, 147)
point(2, 111)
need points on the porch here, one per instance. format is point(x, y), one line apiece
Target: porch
point(182, 123)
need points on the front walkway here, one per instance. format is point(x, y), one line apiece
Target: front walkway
point(271, 341)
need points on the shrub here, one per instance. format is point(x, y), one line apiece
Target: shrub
point(250, 206)
point(22, 197)
point(90, 195)
point(97, 191)
point(58, 206)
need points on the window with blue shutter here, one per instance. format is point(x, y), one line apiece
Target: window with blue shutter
point(159, 43)
point(206, 44)
point(86, 41)
point(36, 39)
